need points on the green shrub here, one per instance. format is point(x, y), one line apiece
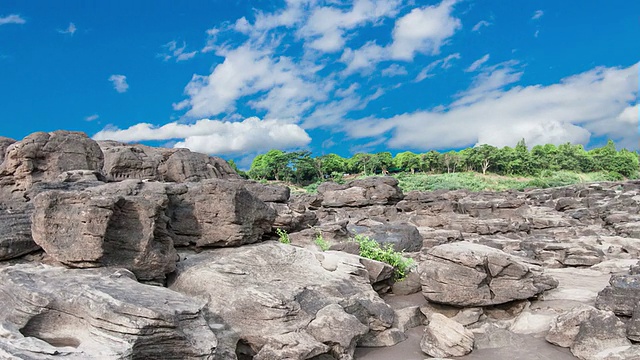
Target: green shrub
point(283, 236)
point(370, 249)
point(321, 242)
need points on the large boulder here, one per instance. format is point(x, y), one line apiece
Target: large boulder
point(363, 192)
point(125, 161)
point(44, 156)
point(217, 212)
point(588, 332)
point(121, 225)
point(285, 301)
point(467, 274)
point(51, 312)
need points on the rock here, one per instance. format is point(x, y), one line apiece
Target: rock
point(582, 256)
point(51, 312)
point(407, 286)
point(587, 331)
point(268, 193)
point(44, 156)
point(124, 161)
point(115, 225)
point(402, 236)
point(408, 318)
point(466, 274)
point(386, 338)
point(217, 213)
point(621, 296)
point(363, 192)
point(444, 337)
point(4, 144)
point(468, 316)
point(633, 326)
point(283, 289)
point(15, 232)
point(291, 220)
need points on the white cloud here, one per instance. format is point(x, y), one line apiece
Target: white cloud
point(175, 52)
point(217, 137)
point(12, 19)
point(119, 83)
point(424, 30)
point(363, 59)
point(326, 27)
point(92, 117)
point(480, 25)
point(71, 29)
point(394, 70)
point(476, 64)
point(537, 15)
point(444, 63)
point(599, 102)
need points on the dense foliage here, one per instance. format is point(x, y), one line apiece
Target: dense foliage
point(547, 163)
point(371, 249)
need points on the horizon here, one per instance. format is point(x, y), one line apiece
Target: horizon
point(234, 80)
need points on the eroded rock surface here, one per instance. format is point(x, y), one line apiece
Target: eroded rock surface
point(50, 312)
point(286, 290)
point(466, 274)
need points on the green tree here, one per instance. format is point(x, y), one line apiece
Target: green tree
point(332, 163)
point(407, 161)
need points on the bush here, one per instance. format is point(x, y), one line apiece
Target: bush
point(370, 249)
point(283, 236)
point(321, 242)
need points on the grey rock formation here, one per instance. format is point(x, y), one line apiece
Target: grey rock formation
point(588, 332)
point(125, 161)
point(466, 274)
point(117, 225)
point(4, 144)
point(621, 296)
point(364, 192)
point(402, 236)
point(55, 313)
point(43, 157)
point(15, 232)
point(268, 292)
point(217, 212)
point(444, 337)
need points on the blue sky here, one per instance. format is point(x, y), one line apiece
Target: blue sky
point(235, 78)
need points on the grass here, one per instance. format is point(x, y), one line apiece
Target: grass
point(321, 242)
point(283, 237)
point(370, 249)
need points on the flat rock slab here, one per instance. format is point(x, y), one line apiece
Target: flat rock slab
point(268, 290)
point(97, 314)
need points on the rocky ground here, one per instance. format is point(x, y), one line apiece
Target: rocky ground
point(116, 251)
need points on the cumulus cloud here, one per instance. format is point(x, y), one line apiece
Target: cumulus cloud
point(480, 25)
point(286, 89)
point(394, 70)
point(119, 83)
point(599, 102)
point(326, 27)
point(12, 19)
point(424, 30)
point(217, 137)
point(476, 64)
point(71, 29)
point(537, 15)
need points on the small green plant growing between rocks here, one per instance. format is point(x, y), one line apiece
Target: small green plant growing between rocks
point(321, 242)
point(283, 236)
point(370, 249)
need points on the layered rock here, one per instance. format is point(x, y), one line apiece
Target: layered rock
point(116, 225)
point(289, 300)
point(363, 192)
point(126, 161)
point(15, 232)
point(444, 337)
point(621, 296)
point(466, 274)
point(4, 144)
point(217, 213)
point(43, 157)
point(50, 312)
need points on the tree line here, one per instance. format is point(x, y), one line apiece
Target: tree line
point(301, 168)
